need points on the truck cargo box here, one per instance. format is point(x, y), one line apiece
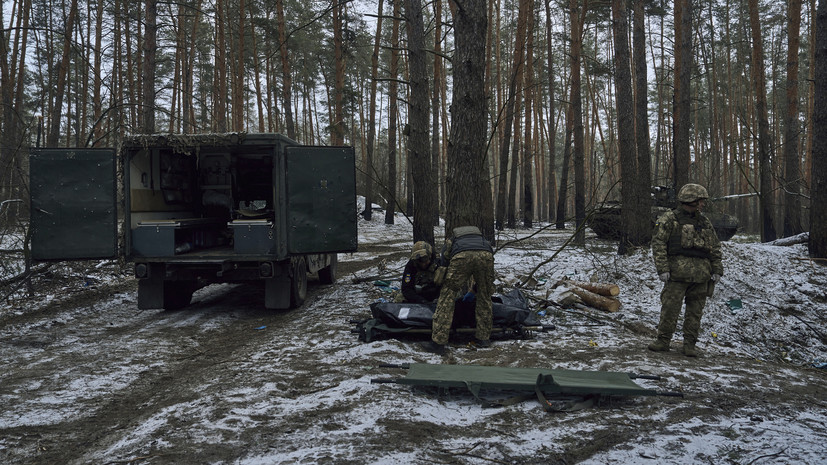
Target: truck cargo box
point(196, 209)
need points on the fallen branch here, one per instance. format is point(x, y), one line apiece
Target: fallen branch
point(506, 244)
point(544, 262)
point(373, 278)
point(820, 335)
point(767, 456)
point(25, 275)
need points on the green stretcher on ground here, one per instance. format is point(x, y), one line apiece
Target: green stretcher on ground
point(552, 387)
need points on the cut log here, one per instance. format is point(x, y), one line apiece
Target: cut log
point(607, 289)
point(597, 301)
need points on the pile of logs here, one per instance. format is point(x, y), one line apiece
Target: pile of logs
point(602, 296)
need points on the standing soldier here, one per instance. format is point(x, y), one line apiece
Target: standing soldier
point(687, 256)
point(467, 255)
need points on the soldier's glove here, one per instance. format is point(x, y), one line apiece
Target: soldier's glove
point(664, 276)
point(715, 278)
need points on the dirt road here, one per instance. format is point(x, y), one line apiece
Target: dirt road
point(90, 379)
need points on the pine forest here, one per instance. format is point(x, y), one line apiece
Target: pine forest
point(528, 111)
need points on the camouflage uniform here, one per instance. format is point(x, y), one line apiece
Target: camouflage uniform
point(418, 284)
point(467, 256)
point(685, 246)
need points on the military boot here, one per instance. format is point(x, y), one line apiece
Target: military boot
point(689, 348)
point(661, 344)
point(433, 347)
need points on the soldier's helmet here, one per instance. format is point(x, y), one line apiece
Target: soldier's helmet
point(421, 250)
point(692, 192)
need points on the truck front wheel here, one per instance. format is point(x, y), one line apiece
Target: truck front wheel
point(298, 282)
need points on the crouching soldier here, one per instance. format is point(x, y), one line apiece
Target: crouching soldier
point(418, 284)
point(687, 256)
point(467, 255)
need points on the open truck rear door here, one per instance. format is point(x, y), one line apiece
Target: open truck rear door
point(73, 204)
point(321, 199)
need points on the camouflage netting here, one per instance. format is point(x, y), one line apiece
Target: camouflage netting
point(187, 144)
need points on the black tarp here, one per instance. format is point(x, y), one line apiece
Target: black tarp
point(511, 313)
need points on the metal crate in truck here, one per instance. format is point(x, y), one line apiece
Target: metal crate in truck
point(196, 209)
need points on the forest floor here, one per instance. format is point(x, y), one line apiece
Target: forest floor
point(85, 377)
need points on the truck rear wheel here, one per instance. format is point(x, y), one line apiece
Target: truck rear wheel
point(327, 275)
point(298, 282)
point(178, 295)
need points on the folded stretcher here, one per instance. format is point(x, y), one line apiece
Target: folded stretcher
point(555, 389)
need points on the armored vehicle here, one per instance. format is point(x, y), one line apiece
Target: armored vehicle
point(605, 221)
point(199, 209)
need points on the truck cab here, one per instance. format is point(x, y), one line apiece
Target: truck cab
point(195, 209)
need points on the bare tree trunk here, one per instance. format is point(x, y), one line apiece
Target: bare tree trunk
point(423, 187)
point(818, 196)
point(393, 89)
point(257, 72)
point(625, 132)
point(337, 126)
point(682, 104)
point(62, 77)
point(564, 175)
point(237, 63)
point(148, 70)
point(7, 119)
point(11, 92)
point(552, 132)
point(286, 73)
point(118, 79)
point(178, 25)
point(764, 156)
point(511, 216)
point(528, 194)
point(641, 205)
point(808, 151)
point(467, 180)
point(792, 163)
point(716, 125)
point(220, 89)
point(374, 67)
point(189, 123)
point(505, 204)
point(435, 106)
point(97, 104)
point(577, 14)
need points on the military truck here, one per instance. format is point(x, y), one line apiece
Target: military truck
point(605, 220)
point(199, 209)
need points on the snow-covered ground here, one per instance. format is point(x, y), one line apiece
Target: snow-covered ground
point(86, 378)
